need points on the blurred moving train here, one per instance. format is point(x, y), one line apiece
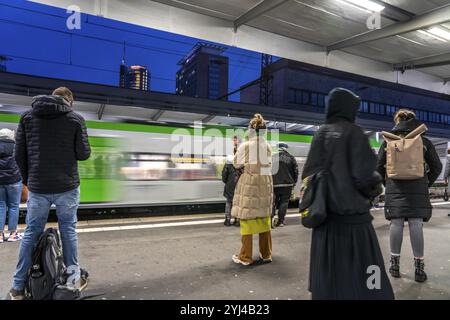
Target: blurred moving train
point(136, 164)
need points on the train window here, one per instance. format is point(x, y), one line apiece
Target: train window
point(371, 107)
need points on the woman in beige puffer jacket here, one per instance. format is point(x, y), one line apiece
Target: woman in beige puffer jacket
point(253, 197)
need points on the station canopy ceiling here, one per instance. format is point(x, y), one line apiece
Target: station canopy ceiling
point(18, 104)
point(414, 34)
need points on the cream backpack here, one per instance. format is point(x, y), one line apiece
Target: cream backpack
point(404, 155)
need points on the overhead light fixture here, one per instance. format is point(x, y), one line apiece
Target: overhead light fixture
point(440, 32)
point(366, 4)
point(429, 34)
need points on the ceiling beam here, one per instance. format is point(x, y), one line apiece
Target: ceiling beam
point(426, 62)
point(258, 10)
point(394, 13)
point(425, 20)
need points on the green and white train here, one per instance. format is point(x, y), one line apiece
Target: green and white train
point(133, 164)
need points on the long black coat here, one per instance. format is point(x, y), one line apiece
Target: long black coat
point(9, 171)
point(50, 139)
point(410, 198)
point(229, 177)
point(345, 245)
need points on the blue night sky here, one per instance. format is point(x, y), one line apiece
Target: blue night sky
point(37, 41)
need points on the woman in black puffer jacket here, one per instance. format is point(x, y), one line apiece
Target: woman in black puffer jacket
point(10, 186)
point(409, 200)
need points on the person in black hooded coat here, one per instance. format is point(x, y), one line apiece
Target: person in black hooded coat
point(409, 199)
point(346, 260)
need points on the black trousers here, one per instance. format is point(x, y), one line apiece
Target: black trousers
point(281, 197)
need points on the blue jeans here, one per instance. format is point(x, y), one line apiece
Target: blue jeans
point(10, 200)
point(38, 207)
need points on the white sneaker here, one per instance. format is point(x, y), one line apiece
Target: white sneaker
point(265, 260)
point(236, 260)
point(1, 238)
point(13, 237)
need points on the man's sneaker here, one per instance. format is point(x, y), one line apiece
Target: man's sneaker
point(227, 222)
point(279, 224)
point(13, 237)
point(274, 222)
point(2, 238)
point(236, 260)
point(265, 260)
point(16, 294)
point(236, 222)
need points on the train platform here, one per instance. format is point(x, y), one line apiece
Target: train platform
point(189, 257)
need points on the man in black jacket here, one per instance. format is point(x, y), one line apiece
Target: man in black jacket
point(284, 180)
point(50, 139)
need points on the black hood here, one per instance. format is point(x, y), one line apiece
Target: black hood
point(342, 104)
point(50, 106)
point(406, 126)
point(6, 147)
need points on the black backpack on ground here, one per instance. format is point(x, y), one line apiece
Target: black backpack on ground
point(47, 275)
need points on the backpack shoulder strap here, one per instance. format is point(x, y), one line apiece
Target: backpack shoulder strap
point(390, 136)
point(417, 131)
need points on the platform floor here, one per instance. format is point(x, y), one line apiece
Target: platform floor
point(190, 258)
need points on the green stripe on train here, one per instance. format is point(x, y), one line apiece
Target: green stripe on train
point(211, 131)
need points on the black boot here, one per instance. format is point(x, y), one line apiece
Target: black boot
point(227, 222)
point(420, 275)
point(236, 222)
point(394, 269)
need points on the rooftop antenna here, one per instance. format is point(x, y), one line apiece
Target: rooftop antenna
point(123, 52)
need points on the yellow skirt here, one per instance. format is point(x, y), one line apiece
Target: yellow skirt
point(255, 226)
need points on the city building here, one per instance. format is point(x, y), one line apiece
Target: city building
point(134, 77)
point(305, 86)
point(203, 72)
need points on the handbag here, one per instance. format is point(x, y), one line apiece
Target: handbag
point(313, 205)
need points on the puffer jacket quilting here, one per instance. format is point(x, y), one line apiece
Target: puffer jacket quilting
point(50, 139)
point(253, 196)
